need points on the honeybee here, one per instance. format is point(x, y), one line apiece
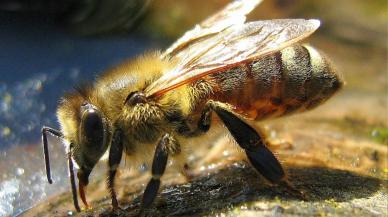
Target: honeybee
point(224, 65)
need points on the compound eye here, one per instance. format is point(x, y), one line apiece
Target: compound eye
point(92, 127)
point(93, 124)
point(91, 143)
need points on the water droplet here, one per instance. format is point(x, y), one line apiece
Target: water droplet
point(243, 207)
point(19, 171)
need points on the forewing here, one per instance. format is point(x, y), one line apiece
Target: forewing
point(233, 14)
point(231, 47)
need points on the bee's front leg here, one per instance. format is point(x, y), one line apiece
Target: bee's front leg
point(115, 153)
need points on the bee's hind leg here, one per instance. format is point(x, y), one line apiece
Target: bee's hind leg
point(115, 154)
point(261, 158)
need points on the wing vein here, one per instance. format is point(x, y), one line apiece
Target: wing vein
point(219, 44)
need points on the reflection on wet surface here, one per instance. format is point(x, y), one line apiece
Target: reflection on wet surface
point(25, 182)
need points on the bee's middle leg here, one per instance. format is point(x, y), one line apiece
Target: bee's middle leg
point(166, 146)
point(185, 129)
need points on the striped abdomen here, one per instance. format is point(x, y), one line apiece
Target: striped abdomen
point(294, 79)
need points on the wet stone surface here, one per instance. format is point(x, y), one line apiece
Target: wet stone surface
point(238, 190)
point(239, 187)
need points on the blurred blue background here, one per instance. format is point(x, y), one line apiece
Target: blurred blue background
point(39, 61)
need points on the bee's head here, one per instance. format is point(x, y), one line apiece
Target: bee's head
point(86, 129)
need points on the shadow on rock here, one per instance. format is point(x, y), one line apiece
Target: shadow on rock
point(239, 183)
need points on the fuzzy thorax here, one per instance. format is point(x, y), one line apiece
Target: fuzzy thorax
point(143, 122)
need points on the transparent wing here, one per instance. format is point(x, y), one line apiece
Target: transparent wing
point(233, 14)
point(231, 47)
